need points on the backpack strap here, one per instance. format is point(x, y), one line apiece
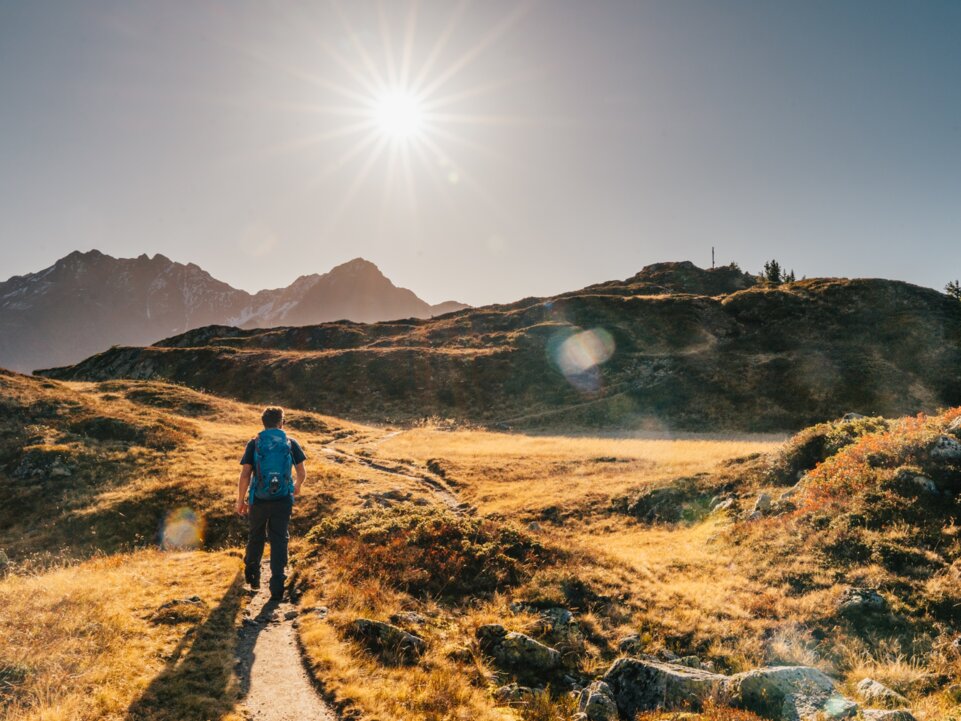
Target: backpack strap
point(257, 474)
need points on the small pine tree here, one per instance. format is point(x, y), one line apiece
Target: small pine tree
point(953, 289)
point(790, 277)
point(772, 272)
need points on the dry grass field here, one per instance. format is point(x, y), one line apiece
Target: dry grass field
point(441, 531)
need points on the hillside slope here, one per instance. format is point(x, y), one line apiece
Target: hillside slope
point(87, 302)
point(673, 346)
point(587, 552)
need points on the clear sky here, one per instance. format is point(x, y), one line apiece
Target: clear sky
point(483, 151)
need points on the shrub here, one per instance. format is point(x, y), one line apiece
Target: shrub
point(818, 443)
point(429, 551)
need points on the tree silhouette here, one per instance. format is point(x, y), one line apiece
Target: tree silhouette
point(953, 288)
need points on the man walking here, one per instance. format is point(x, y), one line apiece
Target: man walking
point(265, 493)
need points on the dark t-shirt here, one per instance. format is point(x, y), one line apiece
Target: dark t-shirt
point(296, 453)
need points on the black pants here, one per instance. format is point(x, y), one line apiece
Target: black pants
point(268, 519)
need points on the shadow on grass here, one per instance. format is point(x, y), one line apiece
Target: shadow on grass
point(197, 681)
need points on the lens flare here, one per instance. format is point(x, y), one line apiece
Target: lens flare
point(580, 354)
point(183, 529)
point(585, 350)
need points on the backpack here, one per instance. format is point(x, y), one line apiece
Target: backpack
point(272, 466)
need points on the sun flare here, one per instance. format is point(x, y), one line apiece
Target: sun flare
point(399, 114)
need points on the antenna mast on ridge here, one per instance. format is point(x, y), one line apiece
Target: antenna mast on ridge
point(712, 257)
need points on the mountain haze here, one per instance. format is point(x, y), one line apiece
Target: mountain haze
point(87, 302)
point(674, 346)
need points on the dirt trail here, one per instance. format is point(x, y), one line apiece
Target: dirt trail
point(274, 683)
point(431, 482)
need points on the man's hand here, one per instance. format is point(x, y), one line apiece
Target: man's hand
point(242, 507)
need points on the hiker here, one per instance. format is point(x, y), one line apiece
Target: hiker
point(268, 499)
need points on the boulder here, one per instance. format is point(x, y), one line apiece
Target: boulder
point(790, 693)
point(946, 448)
point(857, 601)
point(597, 702)
point(389, 641)
point(763, 504)
point(887, 715)
point(513, 694)
point(517, 652)
point(877, 694)
point(644, 685)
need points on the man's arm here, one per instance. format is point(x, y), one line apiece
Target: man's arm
point(246, 471)
point(301, 469)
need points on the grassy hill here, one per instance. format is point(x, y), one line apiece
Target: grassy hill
point(673, 347)
point(652, 546)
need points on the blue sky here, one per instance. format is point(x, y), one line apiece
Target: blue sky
point(563, 143)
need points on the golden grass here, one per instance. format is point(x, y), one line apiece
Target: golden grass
point(81, 643)
point(507, 473)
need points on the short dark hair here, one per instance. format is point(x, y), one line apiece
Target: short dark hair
point(272, 417)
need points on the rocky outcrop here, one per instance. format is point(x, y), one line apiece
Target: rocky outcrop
point(644, 685)
point(596, 703)
point(946, 448)
point(887, 715)
point(874, 693)
point(390, 642)
point(857, 602)
point(779, 693)
point(790, 693)
point(516, 652)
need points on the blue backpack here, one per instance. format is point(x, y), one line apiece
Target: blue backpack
point(272, 466)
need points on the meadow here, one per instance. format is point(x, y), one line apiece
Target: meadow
point(648, 542)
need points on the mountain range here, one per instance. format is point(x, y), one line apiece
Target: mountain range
point(87, 302)
point(674, 346)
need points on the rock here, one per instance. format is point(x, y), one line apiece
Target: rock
point(925, 484)
point(597, 702)
point(411, 618)
point(513, 694)
point(557, 620)
point(666, 654)
point(877, 694)
point(629, 644)
point(790, 493)
point(690, 662)
point(534, 526)
point(640, 685)
point(762, 504)
point(290, 615)
point(857, 601)
point(953, 692)
point(954, 427)
point(790, 693)
point(517, 652)
point(946, 448)
point(887, 715)
point(389, 641)
point(490, 634)
point(848, 417)
point(724, 505)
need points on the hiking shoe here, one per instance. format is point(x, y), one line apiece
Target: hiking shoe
point(252, 581)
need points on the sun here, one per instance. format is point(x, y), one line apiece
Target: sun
point(399, 114)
